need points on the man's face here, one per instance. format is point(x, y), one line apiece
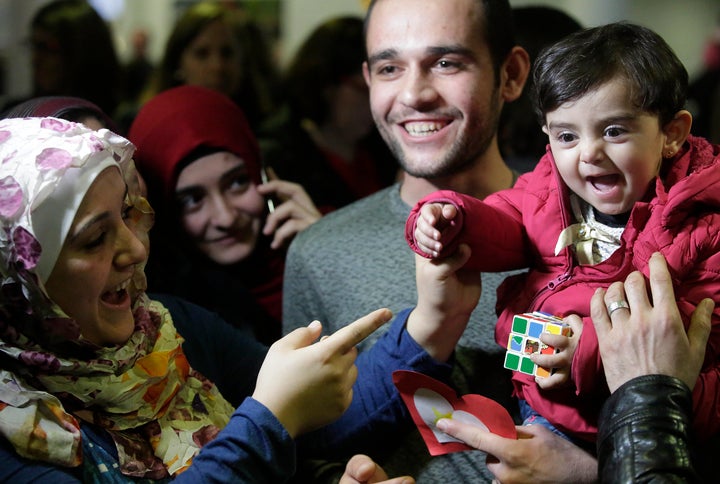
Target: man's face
point(433, 92)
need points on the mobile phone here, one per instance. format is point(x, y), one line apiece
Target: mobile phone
point(269, 200)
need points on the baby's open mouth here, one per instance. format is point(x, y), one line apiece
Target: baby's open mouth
point(605, 182)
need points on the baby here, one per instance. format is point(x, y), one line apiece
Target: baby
point(623, 179)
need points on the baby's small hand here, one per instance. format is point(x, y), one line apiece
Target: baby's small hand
point(432, 219)
point(561, 361)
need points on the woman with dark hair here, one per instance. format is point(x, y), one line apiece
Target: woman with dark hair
point(216, 242)
point(326, 140)
point(212, 45)
point(73, 54)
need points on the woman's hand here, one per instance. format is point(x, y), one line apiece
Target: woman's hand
point(308, 385)
point(295, 212)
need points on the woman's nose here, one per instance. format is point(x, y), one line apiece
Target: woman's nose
point(131, 250)
point(222, 214)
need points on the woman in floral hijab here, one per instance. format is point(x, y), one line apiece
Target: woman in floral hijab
point(92, 373)
point(48, 166)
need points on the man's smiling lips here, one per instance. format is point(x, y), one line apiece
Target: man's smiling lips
point(423, 128)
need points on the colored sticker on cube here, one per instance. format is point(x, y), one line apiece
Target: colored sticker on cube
point(524, 340)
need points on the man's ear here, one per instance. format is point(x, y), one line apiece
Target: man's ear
point(514, 73)
point(676, 132)
point(366, 73)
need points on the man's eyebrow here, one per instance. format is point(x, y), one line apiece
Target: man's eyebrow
point(456, 49)
point(435, 51)
point(382, 55)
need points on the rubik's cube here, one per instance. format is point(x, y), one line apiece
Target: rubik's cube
point(524, 340)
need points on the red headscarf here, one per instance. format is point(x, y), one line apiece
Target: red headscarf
point(172, 126)
point(177, 122)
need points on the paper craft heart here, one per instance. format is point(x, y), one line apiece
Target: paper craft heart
point(429, 400)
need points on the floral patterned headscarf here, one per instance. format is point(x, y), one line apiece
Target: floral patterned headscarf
point(157, 410)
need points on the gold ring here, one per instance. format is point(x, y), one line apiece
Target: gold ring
point(615, 305)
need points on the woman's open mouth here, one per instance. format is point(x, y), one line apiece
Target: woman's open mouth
point(118, 296)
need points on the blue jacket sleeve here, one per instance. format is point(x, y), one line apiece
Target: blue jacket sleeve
point(253, 447)
point(377, 417)
point(16, 469)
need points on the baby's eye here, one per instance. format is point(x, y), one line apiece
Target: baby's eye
point(614, 131)
point(566, 137)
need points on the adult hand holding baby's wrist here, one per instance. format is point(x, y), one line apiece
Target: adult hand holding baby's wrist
point(447, 295)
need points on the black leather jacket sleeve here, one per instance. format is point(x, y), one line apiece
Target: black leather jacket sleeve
point(644, 432)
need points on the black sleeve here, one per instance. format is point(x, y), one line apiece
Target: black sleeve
point(644, 432)
point(227, 356)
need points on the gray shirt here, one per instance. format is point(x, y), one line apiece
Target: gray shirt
point(355, 260)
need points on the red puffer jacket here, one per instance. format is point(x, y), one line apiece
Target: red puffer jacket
point(519, 227)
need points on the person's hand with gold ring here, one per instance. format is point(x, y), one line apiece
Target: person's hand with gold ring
point(648, 338)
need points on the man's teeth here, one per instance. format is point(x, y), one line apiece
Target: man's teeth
point(422, 128)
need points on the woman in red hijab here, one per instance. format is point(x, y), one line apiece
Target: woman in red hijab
point(216, 242)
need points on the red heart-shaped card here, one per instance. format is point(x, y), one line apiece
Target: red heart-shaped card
point(429, 400)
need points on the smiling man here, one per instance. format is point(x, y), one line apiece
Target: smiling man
point(439, 73)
